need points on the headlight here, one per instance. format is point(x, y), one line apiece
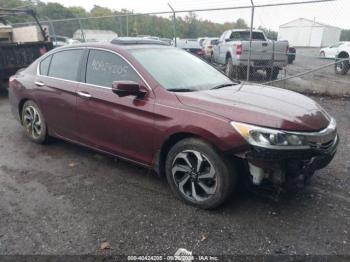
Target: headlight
point(270, 138)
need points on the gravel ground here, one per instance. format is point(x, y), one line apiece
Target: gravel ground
point(322, 81)
point(65, 199)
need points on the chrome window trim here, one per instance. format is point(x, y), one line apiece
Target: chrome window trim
point(91, 48)
point(52, 53)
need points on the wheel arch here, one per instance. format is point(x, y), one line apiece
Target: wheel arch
point(174, 138)
point(165, 148)
point(228, 55)
point(343, 54)
point(20, 107)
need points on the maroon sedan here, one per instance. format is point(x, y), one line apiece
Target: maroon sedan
point(166, 109)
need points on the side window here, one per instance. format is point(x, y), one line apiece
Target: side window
point(44, 66)
point(104, 68)
point(235, 36)
point(65, 64)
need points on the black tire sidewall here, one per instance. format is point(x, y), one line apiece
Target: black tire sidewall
point(229, 68)
point(344, 70)
point(226, 174)
point(272, 74)
point(43, 135)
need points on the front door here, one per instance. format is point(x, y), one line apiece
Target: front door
point(119, 125)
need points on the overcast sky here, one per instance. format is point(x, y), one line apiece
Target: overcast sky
point(335, 13)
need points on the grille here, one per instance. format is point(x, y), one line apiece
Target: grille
point(323, 146)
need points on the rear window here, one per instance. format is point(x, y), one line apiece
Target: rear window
point(44, 65)
point(65, 64)
point(245, 36)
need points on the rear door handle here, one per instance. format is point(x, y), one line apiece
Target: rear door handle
point(39, 83)
point(84, 94)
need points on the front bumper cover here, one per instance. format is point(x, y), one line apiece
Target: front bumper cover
point(296, 165)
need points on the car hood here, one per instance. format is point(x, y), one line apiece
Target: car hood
point(260, 105)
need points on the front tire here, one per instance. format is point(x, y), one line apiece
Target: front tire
point(34, 122)
point(198, 174)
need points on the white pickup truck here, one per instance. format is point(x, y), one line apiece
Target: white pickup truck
point(232, 50)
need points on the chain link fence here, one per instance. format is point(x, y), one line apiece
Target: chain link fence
point(282, 60)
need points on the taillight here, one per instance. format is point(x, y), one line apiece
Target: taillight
point(238, 49)
point(11, 79)
point(42, 50)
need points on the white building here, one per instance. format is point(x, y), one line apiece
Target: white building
point(304, 32)
point(95, 35)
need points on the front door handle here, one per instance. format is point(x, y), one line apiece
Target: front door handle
point(84, 94)
point(39, 83)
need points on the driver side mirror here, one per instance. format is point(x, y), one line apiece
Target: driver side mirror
point(128, 88)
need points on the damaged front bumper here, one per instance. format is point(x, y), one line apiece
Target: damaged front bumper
point(287, 168)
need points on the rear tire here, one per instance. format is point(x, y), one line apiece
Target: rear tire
point(229, 68)
point(342, 68)
point(272, 74)
point(34, 122)
point(198, 174)
point(322, 54)
point(211, 58)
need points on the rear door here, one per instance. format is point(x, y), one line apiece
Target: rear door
point(58, 81)
point(120, 125)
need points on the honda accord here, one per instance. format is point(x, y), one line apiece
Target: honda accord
point(165, 109)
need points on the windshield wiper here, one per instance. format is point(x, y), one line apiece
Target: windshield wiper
point(223, 85)
point(181, 90)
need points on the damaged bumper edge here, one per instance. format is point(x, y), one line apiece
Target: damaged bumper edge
point(287, 167)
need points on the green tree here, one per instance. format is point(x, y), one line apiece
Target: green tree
point(188, 27)
point(270, 34)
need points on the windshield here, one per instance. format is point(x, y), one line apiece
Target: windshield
point(176, 69)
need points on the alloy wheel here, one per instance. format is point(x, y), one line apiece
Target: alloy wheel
point(32, 121)
point(194, 175)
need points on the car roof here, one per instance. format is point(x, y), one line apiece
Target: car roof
point(137, 41)
point(121, 46)
point(245, 30)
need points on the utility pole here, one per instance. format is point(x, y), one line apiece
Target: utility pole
point(174, 24)
point(250, 40)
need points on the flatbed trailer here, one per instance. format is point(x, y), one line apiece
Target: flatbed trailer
point(14, 56)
